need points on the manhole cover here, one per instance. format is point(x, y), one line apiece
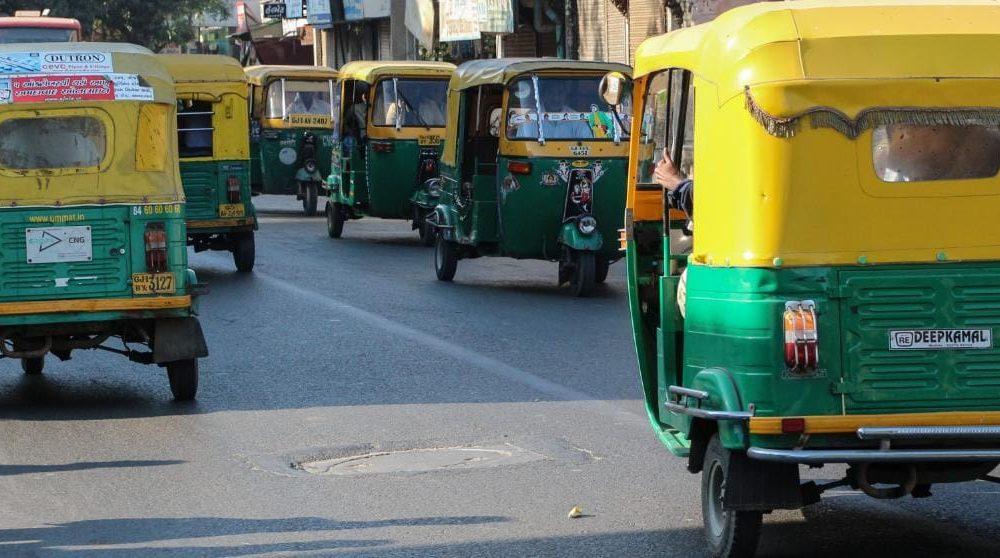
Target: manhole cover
point(421, 460)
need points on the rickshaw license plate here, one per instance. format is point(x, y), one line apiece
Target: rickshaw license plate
point(938, 339)
point(231, 210)
point(429, 140)
point(153, 283)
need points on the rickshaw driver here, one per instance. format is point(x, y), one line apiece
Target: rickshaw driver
point(308, 102)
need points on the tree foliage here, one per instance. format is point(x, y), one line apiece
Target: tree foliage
point(152, 23)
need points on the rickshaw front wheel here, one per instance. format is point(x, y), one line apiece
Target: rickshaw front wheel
point(309, 198)
point(427, 233)
point(730, 533)
point(183, 376)
point(334, 220)
point(584, 276)
point(244, 252)
point(33, 366)
point(445, 258)
point(601, 271)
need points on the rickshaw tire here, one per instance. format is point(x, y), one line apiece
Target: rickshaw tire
point(740, 531)
point(334, 220)
point(601, 270)
point(310, 198)
point(244, 252)
point(33, 366)
point(183, 376)
point(428, 233)
point(445, 258)
point(584, 274)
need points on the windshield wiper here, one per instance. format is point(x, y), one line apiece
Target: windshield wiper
point(420, 119)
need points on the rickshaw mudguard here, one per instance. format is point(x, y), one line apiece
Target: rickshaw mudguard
point(445, 219)
point(178, 339)
point(302, 175)
point(571, 237)
point(722, 396)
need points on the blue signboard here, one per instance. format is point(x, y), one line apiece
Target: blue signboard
point(319, 13)
point(354, 10)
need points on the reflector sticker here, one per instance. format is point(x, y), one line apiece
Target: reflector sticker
point(937, 339)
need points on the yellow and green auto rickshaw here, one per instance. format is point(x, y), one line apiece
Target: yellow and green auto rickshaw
point(841, 300)
point(388, 140)
point(510, 187)
point(291, 130)
point(92, 210)
point(214, 148)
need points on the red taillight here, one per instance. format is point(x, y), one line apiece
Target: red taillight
point(156, 248)
point(382, 147)
point(519, 167)
point(801, 335)
point(233, 189)
point(793, 425)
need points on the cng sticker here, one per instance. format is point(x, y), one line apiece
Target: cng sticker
point(58, 244)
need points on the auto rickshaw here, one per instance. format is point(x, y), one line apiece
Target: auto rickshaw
point(510, 187)
point(388, 140)
point(841, 299)
point(214, 148)
point(291, 121)
point(92, 211)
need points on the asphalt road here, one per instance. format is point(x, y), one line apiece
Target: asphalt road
point(335, 349)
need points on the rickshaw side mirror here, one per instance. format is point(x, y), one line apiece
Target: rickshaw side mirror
point(495, 116)
point(613, 88)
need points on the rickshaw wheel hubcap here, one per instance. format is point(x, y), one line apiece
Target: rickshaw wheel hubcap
point(716, 519)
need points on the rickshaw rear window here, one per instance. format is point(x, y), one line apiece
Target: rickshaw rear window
point(919, 153)
point(52, 143)
point(571, 108)
point(194, 128)
point(418, 102)
point(300, 97)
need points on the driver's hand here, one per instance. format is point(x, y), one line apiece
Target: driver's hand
point(666, 174)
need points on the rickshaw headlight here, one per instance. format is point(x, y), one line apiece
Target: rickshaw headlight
point(586, 225)
point(434, 188)
point(801, 335)
point(310, 166)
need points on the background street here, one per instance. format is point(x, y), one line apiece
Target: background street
point(336, 348)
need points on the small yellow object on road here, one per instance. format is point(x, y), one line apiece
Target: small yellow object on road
point(575, 512)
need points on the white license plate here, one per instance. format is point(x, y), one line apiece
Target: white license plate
point(938, 339)
point(58, 244)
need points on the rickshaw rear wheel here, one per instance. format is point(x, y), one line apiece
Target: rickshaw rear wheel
point(310, 196)
point(730, 533)
point(183, 376)
point(601, 271)
point(445, 258)
point(334, 220)
point(582, 281)
point(244, 252)
point(33, 366)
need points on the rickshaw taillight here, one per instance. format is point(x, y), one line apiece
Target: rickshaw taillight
point(156, 248)
point(382, 147)
point(519, 167)
point(801, 335)
point(233, 189)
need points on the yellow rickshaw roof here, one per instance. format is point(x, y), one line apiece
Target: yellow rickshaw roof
point(260, 74)
point(501, 70)
point(370, 71)
point(203, 68)
point(809, 39)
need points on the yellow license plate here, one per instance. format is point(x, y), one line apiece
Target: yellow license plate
point(231, 210)
point(429, 140)
point(153, 283)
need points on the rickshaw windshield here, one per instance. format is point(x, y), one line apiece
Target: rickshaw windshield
point(571, 109)
point(285, 97)
point(415, 102)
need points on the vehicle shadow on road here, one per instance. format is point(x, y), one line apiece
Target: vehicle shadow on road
point(147, 537)
point(12, 470)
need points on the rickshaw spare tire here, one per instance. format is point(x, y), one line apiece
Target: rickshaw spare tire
point(244, 251)
point(310, 197)
point(582, 282)
point(334, 220)
point(183, 376)
point(730, 534)
point(33, 366)
point(445, 258)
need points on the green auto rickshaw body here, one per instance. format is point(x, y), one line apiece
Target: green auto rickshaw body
point(291, 130)
point(381, 166)
point(92, 210)
point(214, 149)
point(508, 192)
point(821, 315)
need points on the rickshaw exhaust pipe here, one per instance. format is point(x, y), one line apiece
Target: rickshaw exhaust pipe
point(862, 478)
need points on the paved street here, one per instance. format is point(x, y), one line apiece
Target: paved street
point(333, 349)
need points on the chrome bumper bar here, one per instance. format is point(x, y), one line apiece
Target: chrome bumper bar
point(986, 432)
point(819, 457)
point(706, 413)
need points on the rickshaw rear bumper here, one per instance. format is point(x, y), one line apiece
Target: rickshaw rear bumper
point(820, 457)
